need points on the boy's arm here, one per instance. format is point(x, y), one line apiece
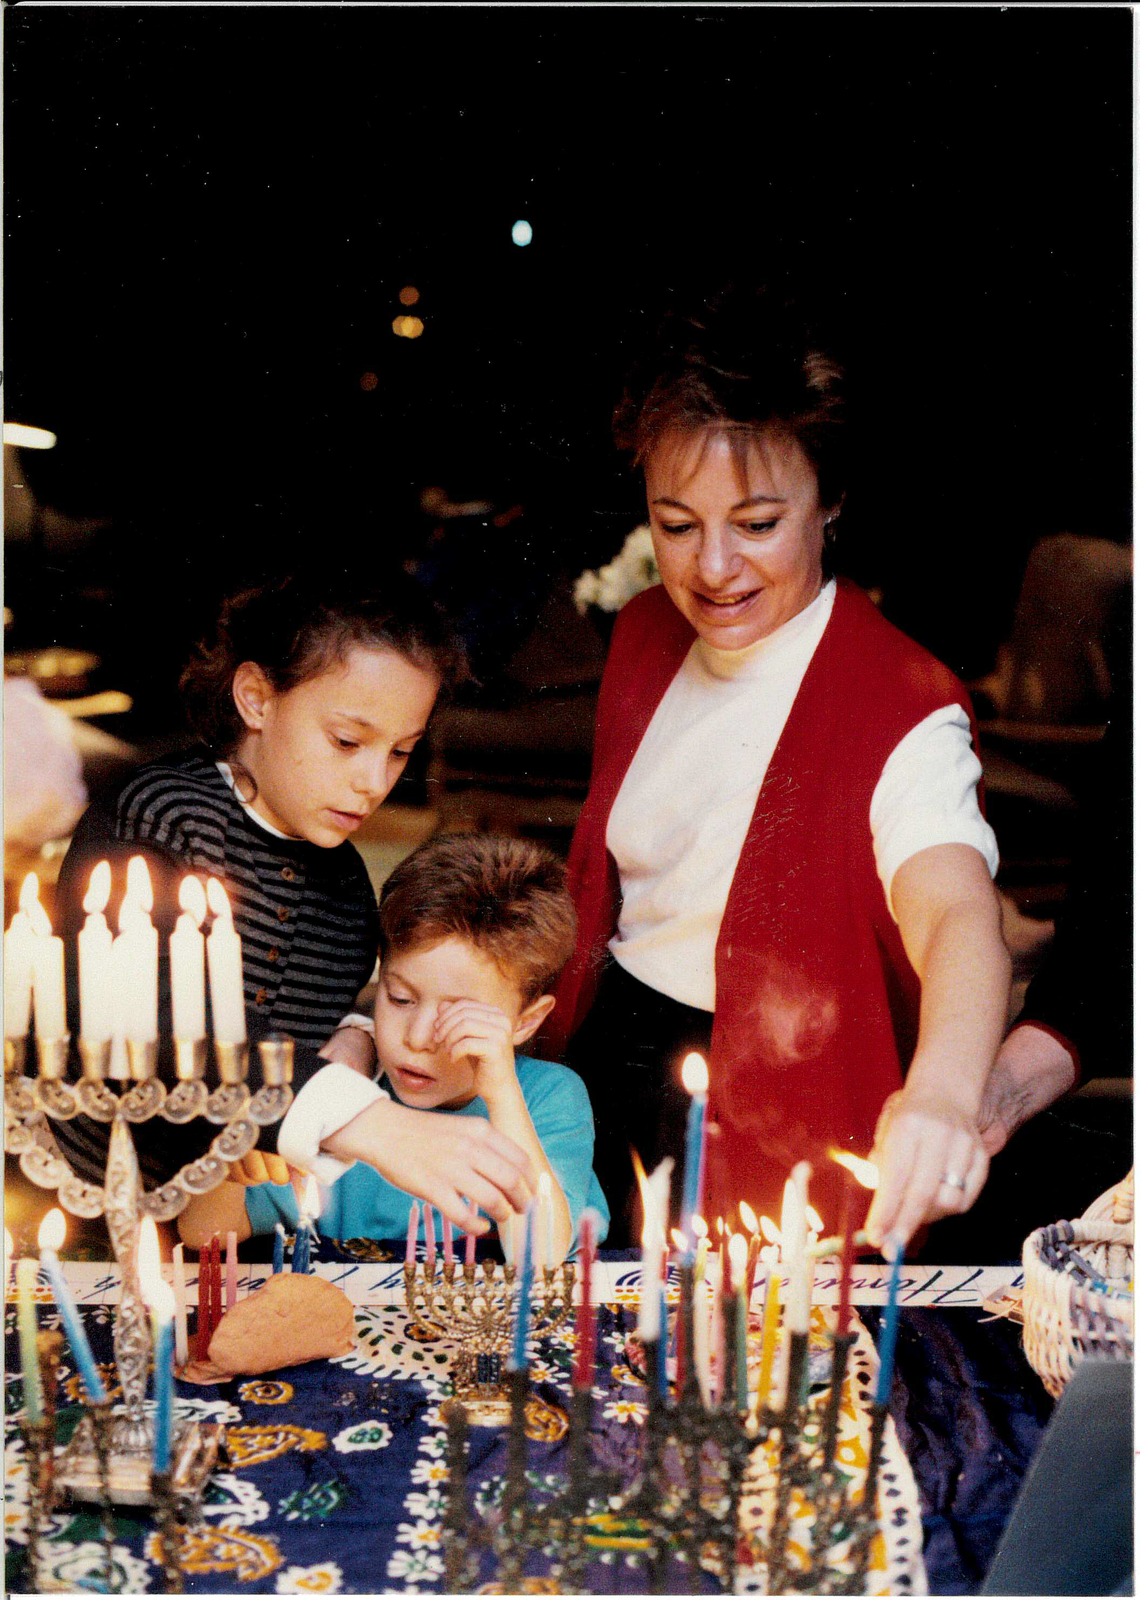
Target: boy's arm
point(486, 1035)
point(220, 1212)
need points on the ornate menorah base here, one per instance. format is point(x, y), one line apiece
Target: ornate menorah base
point(126, 1473)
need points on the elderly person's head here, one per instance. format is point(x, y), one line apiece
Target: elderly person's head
point(736, 417)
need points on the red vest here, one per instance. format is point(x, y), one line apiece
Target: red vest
point(816, 1002)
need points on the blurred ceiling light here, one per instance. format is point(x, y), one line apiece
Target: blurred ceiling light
point(522, 232)
point(368, 381)
point(28, 438)
point(409, 295)
point(407, 327)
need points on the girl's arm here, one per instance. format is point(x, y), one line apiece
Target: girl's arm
point(928, 1146)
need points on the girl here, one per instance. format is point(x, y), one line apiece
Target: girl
point(308, 704)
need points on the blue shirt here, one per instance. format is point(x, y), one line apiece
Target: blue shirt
point(364, 1205)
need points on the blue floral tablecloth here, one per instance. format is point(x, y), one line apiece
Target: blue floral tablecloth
point(336, 1474)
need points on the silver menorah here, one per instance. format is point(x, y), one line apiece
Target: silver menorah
point(32, 1104)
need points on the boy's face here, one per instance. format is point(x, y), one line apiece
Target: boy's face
point(417, 990)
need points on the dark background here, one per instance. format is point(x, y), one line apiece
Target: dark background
point(210, 213)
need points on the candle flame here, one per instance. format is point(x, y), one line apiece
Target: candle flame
point(139, 891)
point(39, 919)
point(748, 1217)
point(161, 1300)
point(770, 1231)
point(29, 893)
point(699, 1226)
point(864, 1172)
point(695, 1074)
point(815, 1221)
point(218, 898)
point(738, 1256)
point(720, 1227)
point(311, 1198)
point(149, 1261)
point(53, 1230)
point(99, 888)
point(679, 1241)
point(192, 899)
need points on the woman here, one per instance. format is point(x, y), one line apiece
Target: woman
point(781, 860)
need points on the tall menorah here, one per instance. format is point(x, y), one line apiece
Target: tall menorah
point(32, 1104)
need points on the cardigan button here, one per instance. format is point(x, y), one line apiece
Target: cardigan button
point(282, 913)
point(288, 874)
point(272, 955)
point(261, 997)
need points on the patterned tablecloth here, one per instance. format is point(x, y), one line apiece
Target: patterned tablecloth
point(337, 1470)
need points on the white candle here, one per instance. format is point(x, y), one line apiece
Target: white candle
point(142, 953)
point(223, 952)
point(545, 1229)
point(655, 1202)
point(96, 984)
point(19, 944)
point(48, 999)
point(188, 963)
point(701, 1339)
point(181, 1344)
point(793, 1235)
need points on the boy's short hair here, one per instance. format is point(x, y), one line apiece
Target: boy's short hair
point(508, 897)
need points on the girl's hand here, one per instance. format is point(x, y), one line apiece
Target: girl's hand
point(261, 1166)
point(931, 1160)
point(485, 1035)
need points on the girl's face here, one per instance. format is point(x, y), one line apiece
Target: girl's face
point(737, 558)
point(324, 754)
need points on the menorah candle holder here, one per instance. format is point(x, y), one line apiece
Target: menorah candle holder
point(169, 1539)
point(84, 1468)
point(475, 1305)
point(681, 1516)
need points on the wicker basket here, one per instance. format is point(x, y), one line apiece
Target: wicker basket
point(1077, 1298)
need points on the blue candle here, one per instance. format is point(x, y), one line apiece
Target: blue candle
point(890, 1329)
point(695, 1076)
point(73, 1324)
point(663, 1347)
point(162, 1321)
point(526, 1278)
point(278, 1249)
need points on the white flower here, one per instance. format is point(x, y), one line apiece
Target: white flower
point(586, 591)
point(415, 1564)
point(633, 569)
point(625, 1411)
point(424, 1505)
point(430, 1472)
point(420, 1535)
point(322, 1579)
point(369, 1435)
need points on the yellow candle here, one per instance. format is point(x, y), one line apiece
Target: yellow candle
point(768, 1332)
point(96, 987)
point(188, 963)
point(27, 1271)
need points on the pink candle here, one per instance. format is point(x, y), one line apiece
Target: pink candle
point(429, 1235)
point(587, 1330)
point(448, 1252)
point(413, 1233)
point(469, 1250)
point(231, 1270)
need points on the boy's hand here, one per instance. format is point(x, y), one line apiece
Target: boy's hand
point(458, 1164)
point(483, 1033)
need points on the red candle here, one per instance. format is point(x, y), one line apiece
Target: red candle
point(843, 1315)
point(587, 1329)
point(448, 1252)
point(215, 1283)
point(231, 1270)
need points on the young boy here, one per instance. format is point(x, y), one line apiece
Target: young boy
point(473, 931)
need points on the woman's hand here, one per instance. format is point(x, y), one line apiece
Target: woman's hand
point(931, 1160)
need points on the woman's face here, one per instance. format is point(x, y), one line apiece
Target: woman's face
point(739, 554)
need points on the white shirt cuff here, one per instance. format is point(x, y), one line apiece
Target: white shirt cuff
point(331, 1098)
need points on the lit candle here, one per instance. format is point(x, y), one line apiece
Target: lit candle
point(310, 1207)
point(655, 1212)
point(429, 1239)
point(223, 955)
point(793, 1248)
point(769, 1330)
point(748, 1217)
point(231, 1270)
point(738, 1254)
point(413, 1234)
point(51, 1236)
point(26, 1274)
point(695, 1077)
point(181, 1342)
point(159, 1298)
point(700, 1228)
point(587, 1335)
point(526, 1279)
point(893, 1247)
point(48, 999)
point(278, 1248)
point(19, 947)
point(96, 984)
point(545, 1221)
point(701, 1340)
point(141, 998)
point(448, 1251)
point(188, 963)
